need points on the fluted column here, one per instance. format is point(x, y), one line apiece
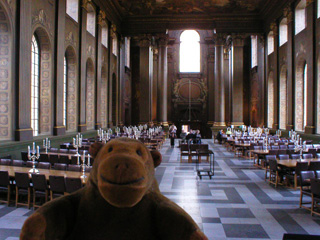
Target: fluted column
point(24, 36)
point(275, 29)
point(155, 109)
point(219, 115)
point(82, 126)
point(162, 81)
point(237, 80)
point(226, 77)
point(211, 86)
point(59, 128)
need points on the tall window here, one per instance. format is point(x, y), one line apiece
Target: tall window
point(305, 84)
point(300, 16)
point(65, 79)
point(270, 43)
point(318, 9)
point(270, 100)
point(283, 36)
point(91, 20)
point(190, 51)
point(115, 45)
point(72, 9)
point(254, 51)
point(35, 70)
point(283, 98)
point(127, 51)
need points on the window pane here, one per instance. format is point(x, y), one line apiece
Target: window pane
point(190, 51)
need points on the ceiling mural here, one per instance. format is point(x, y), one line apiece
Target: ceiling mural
point(156, 7)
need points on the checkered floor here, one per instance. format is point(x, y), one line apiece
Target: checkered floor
point(236, 204)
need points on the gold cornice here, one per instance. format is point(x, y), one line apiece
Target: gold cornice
point(102, 18)
point(309, 2)
point(85, 4)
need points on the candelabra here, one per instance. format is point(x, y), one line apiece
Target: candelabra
point(46, 144)
point(33, 156)
point(117, 130)
point(266, 142)
point(100, 133)
point(77, 143)
point(83, 165)
point(278, 133)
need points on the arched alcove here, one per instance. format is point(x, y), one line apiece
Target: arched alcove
point(45, 78)
point(270, 100)
point(71, 89)
point(299, 95)
point(283, 98)
point(90, 95)
point(6, 81)
point(104, 95)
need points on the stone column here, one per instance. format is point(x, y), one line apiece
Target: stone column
point(82, 126)
point(163, 81)
point(101, 23)
point(219, 113)
point(290, 63)
point(275, 29)
point(24, 36)
point(237, 80)
point(156, 69)
point(226, 80)
point(145, 68)
point(59, 128)
point(211, 87)
point(311, 59)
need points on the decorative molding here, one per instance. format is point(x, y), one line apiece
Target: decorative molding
point(90, 51)
point(288, 13)
point(220, 39)
point(238, 40)
point(70, 39)
point(85, 4)
point(309, 2)
point(41, 18)
point(274, 28)
point(102, 18)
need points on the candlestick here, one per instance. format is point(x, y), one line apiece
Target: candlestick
point(33, 156)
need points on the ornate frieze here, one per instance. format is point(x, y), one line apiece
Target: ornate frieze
point(41, 18)
point(102, 18)
point(70, 39)
point(85, 4)
point(274, 28)
point(288, 13)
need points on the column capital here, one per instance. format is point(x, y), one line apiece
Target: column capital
point(220, 39)
point(288, 13)
point(163, 41)
point(226, 53)
point(309, 2)
point(102, 18)
point(274, 28)
point(262, 39)
point(85, 4)
point(238, 40)
point(145, 40)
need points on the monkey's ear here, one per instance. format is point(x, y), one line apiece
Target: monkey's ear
point(95, 148)
point(157, 157)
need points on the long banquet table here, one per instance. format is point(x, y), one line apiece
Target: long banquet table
point(291, 163)
point(46, 172)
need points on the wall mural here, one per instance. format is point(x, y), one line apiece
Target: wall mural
point(104, 95)
point(90, 95)
point(154, 7)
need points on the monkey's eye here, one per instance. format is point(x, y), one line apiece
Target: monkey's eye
point(139, 152)
point(110, 149)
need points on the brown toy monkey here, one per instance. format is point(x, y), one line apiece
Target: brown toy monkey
point(121, 201)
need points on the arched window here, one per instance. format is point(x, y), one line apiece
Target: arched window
point(91, 20)
point(300, 16)
point(283, 98)
point(270, 100)
point(318, 9)
point(72, 9)
point(305, 95)
point(35, 72)
point(127, 51)
point(254, 51)
point(283, 36)
point(65, 79)
point(190, 51)
point(270, 43)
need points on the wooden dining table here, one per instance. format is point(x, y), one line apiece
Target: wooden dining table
point(46, 172)
point(291, 163)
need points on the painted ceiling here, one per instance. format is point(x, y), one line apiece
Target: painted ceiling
point(158, 7)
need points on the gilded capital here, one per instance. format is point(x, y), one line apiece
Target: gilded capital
point(220, 39)
point(145, 41)
point(274, 28)
point(288, 13)
point(85, 4)
point(238, 40)
point(309, 2)
point(102, 18)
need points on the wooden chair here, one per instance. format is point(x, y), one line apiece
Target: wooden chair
point(295, 156)
point(275, 172)
point(44, 165)
point(307, 156)
point(57, 186)
point(40, 188)
point(314, 165)
point(64, 159)
point(184, 151)
point(23, 188)
point(295, 176)
point(74, 167)
point(5, 161)
point(305, 177)
point(44, 157)
point(283, 156)
point(5, 185)
point(267, 159)
point(60, 166)
point(53, 159)
point(18, 163)
point(73, 184)
point(315, 196)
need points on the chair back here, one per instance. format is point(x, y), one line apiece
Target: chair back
point(295, 156)
point(315, 187)
point(88, 169)
point(307, 156)
point(53, 159)
point(271, 157)
point(54, 150)
point(24, 156)
point(6, 162)
point(194, 147)
point(273, 165)
point(57, 184)
point(60, 166)
point(314, 165)
point(17, 163)
point(313, 151)
point(257, 147)
point(283, 156)
point(317, 174)
point(282, 151)
point(184, 147)
point(29, 164)
point(64, 159)
point(275, 147)
point(305, 177)
point(44, 157)
point(74, 167)
point(4, 179)
point(22, 180)
point(273, 152)
point(39, 182)
point(63, 150)
point(73, 151)
point(301, 166)
point(74, 160)
point(73, 184)
point(318, 155)
point(283, 146)
point(290, 146)
point(44, 165)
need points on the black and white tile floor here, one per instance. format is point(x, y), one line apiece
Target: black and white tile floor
point(236, 204)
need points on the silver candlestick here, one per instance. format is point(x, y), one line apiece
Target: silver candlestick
point(33, 156)
point(83, 165)
point(299, 147)
point(77, 143)
point(46, 144)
